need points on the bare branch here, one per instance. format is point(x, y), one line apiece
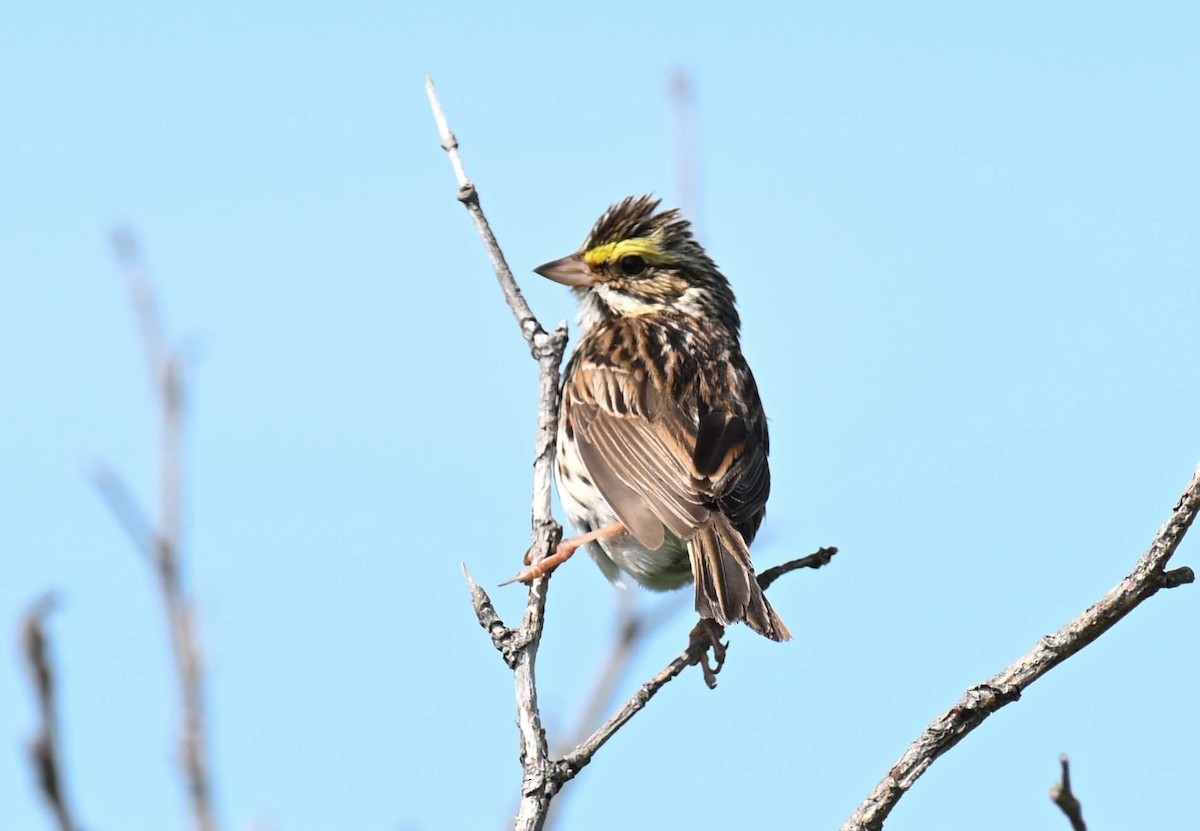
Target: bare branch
point(44, 751)
point(531, 328)
point(504, 639)
point(145, 308)
point(1143, 582)
point(124, 507)
point(634, 624)
point(820, 557)
point(1063, 797)
point(578, 759)
point(520, 647)
point(164, 542)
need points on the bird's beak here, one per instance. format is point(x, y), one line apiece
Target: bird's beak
point(570, 271)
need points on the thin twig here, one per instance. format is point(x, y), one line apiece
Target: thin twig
point(145, 308)
point(164, 542)
point(577, 759)
point(687, 140)
point(1143, 582)
point(523, 644)
point(819, 558)
point(633, 626)
point(45, 751)
point(124, 507)
point(531, 328)
point(1065, 799)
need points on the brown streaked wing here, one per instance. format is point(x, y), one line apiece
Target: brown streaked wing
point(731, 448)
point(637, 448)
point(718, 438)
point(742, 496)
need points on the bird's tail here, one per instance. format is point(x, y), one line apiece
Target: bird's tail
point(726, 588)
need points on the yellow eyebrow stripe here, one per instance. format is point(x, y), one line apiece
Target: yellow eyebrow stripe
point(644, 247)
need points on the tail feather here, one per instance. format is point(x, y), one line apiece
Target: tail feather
point(726, 588)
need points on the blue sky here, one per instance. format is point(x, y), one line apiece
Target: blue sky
point(965, 246)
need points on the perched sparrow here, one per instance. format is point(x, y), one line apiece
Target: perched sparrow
point(662, 439)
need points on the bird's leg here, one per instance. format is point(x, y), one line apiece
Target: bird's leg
point(563, 553)
point(707, 634)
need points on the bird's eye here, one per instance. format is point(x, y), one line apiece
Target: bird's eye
point(632, 265)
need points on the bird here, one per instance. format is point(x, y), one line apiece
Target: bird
point(662, 441)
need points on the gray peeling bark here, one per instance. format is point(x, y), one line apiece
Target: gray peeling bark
point(1143, 582)
point(519, 647)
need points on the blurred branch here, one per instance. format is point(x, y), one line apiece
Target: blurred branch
point(163, 543)
point(687, 139)
point(125, 509)
point(581, 756)
point(44, 751)
point(1148, 576)
point(577, 759)
point(635, 625)
point(145, 307)
point(1063, 797)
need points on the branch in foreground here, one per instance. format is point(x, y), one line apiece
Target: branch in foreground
point(162, 544)
point(1065, 799)
point(44, 751)
point(1143, 582)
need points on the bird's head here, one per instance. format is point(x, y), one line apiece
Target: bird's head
point(637, 262)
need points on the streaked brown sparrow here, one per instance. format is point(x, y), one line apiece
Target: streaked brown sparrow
point(662, 439)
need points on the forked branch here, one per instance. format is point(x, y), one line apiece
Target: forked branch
point(161, 542)
point(520, 646)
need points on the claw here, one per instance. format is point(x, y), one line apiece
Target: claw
point(707, 635)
